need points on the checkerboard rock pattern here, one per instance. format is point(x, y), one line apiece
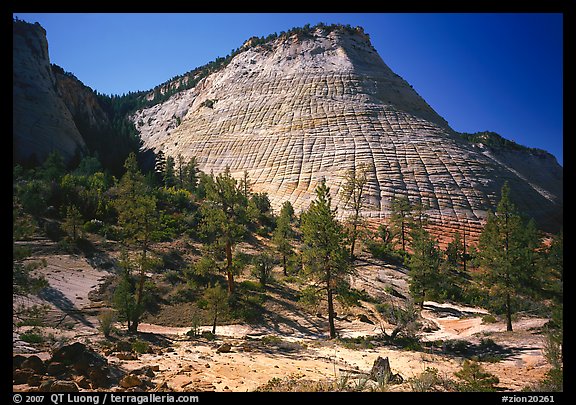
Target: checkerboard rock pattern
point(304, 108)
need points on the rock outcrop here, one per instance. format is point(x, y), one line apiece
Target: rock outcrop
point(41, 121)
point(310, 106)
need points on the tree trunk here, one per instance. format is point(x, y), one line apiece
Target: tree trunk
point(331, 313)
point(508, 313)
point(352, 245)
point(229, 273)
point(284, 264)
point(214, 322)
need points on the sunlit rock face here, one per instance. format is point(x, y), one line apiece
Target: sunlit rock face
point(303, 108)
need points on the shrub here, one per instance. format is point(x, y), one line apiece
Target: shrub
point(475, 379)
point(106, 320)
point(140, 346)
point(34, 336)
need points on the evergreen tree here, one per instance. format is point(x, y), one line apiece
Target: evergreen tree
point(217, 301)
point(225, 216)
point(354, 198)
point(192, 175)
point(424, 265)
point(324, 254)
point(452, 270)
point(284, 233)
point(246, 185)
point(138, 218)
point(73, 222)
point(124, 299)
point(401, 219)
point(169, 174)
point(506, 252)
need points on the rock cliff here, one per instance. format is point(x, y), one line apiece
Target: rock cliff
point(41, 121)
point(309, 106)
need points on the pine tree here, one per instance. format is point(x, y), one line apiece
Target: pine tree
point(225, 216)
point(401, 219)
point(354, 198)
point(324, 254)
point(73, 222)
point(424, 265)
point(138, 218)
point(284, 233)
point(169, 174)
point(506, 252)
point(217, 301)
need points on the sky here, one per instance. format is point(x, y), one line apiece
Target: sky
point(498, 72)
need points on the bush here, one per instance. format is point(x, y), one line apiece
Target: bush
point(106, 320)
point(263, 265)
point(33, 336)
point(475, 379)
point(140, 346)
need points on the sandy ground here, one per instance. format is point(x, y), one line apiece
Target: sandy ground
point(189, 365)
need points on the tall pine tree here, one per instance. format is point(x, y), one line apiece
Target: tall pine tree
point(225, 218)
point(324, 254)
point(138, 218)
point(506, 253)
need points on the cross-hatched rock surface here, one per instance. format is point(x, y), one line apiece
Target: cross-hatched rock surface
point(307, 107)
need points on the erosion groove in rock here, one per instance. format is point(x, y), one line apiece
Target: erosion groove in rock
point(301, 109)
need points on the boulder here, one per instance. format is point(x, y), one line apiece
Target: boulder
point(79, 356)
point(364, 318)
point(56, 368)
point(17, 361)
point(127, 356)
point(35, 363)
point(99, 377)
point(130, 381)
point(64, 386)
point(21, 376)
point(224, 348)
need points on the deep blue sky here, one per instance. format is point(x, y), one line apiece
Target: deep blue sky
point(499, 72)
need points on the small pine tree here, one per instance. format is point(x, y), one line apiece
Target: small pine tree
point(169, 174)
point(354, 197)
point(284, 233)
point(217, 300)
point(73, 222)
point(424, 264)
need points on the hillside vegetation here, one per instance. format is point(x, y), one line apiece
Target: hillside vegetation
point(181, 248)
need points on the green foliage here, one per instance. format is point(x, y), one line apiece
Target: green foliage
point(124, 300)
point(23, 282)
point(381, 245)
point(506, 252)
point(136, 207)
point(424, 265)
point(225, 216)
point(401, 219)
point(430, 380)
point(140, 346)
point(309, 296)
point(354, 198)
point(495, 140)
point(283, 234)
point(73, 222)
point(33, 336)
point(263, 265)
point(217, 301)
point(324, 254)
point(475, 379)
point(106, 321)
